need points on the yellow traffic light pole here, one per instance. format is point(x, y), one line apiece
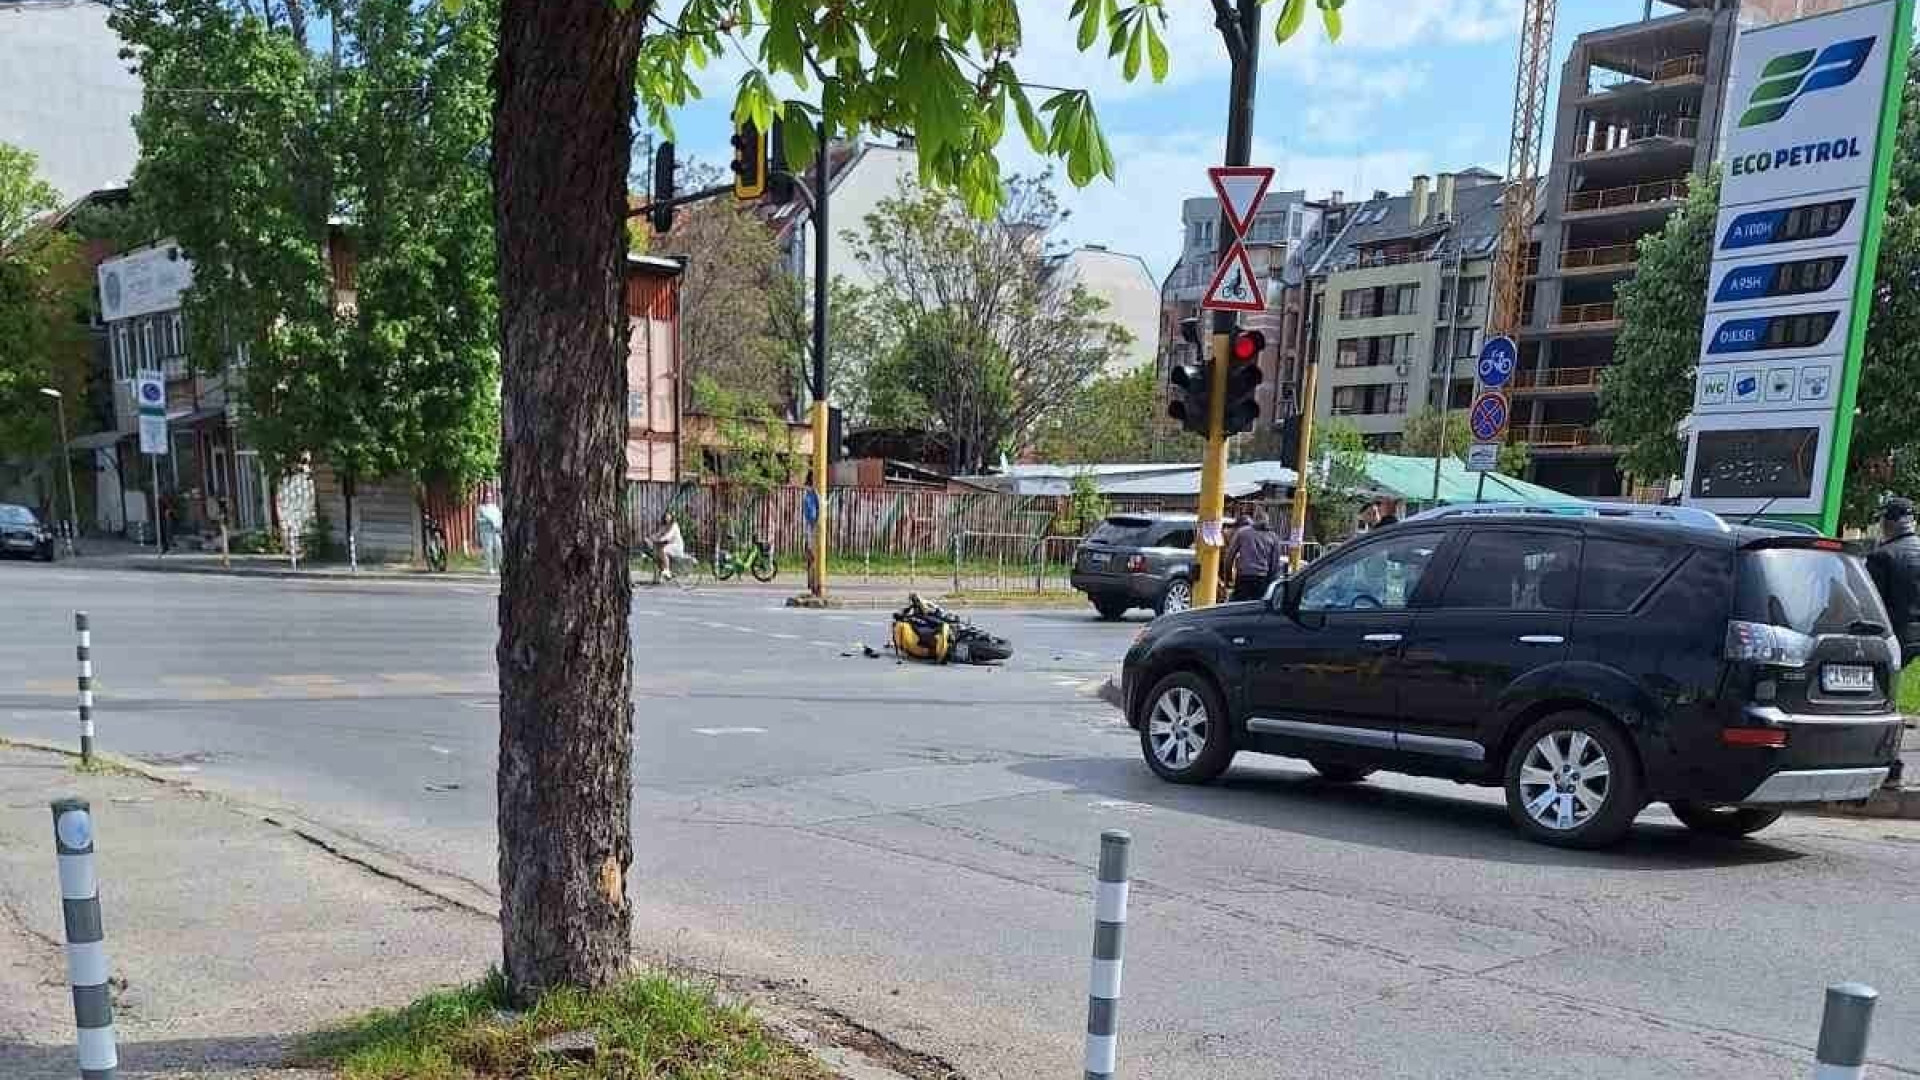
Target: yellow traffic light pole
point(1213, 469)
point(1297, 537)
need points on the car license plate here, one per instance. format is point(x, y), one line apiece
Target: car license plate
point(1847, 678)
point(1097, 560)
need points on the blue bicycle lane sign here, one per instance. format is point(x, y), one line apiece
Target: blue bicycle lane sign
point(1498, 357)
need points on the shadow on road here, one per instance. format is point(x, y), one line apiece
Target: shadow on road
point(168, 1058)
point(1373, 815)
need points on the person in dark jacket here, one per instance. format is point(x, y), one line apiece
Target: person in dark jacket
point(1895, 567)
point(1256, 559)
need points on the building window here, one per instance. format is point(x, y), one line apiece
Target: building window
point(1379, 300)
point(1473, 297)
point(1298, 222)
point(1373, 351)
point(1464, 343)
point(1373, 399)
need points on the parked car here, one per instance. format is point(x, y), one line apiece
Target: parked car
point(1138, 560)
point(22, 534)
point(1588, 665)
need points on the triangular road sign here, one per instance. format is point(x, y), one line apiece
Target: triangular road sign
point(1240, 187)
point(1235, 287)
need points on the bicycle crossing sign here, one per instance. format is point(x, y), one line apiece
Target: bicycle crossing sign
point(1488, 416)
point(1235, 287)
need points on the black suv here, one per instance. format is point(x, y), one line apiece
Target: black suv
point(1590, 663)
point(1138, 560)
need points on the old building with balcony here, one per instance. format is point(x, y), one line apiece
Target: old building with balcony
point(1638, 115)
point(1394, 297)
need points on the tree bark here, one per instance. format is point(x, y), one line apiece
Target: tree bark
point(564, 85)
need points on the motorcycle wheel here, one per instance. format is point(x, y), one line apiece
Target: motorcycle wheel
point(765, 569)
point(985, 648)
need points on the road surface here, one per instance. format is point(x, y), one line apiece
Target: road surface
point(915, 845)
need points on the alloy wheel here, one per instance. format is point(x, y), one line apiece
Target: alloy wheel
point(1565, 780)
point(1178, 727)
point(1179, 597)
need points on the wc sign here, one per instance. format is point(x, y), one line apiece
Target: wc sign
point(1813, 107)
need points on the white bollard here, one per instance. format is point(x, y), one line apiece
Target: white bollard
point(83, 652)
point(1844, 1027)
point(1109, 933)
point(87, 970)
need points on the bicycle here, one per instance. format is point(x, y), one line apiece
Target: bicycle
point(758, 561)
point(688, 571)
point(433, 543)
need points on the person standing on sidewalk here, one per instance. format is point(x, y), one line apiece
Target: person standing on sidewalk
point(1895, 568)
point(1256, 558)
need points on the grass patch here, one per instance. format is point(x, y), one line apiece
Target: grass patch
point(651, 1028)
point(101, 767)
point(1908, 699)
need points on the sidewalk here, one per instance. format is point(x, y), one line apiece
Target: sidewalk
point(229, 937)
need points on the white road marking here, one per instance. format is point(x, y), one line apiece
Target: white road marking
point(1123, 805)
point(729, 731)
point(440, 750)
point(786, 637)
point(823, 644)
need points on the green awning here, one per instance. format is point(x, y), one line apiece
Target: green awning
point(1411, 478)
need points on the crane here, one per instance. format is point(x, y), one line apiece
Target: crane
point(1523, 165)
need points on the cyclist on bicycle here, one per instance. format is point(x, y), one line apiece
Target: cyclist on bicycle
point(668, 545)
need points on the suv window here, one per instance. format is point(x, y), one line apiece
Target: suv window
point(1380, 575)
point(1175, 538)
point(1804, 589)
point(16, 515)
point(1616, 573)
point(1510, 570)
point(1120, 531)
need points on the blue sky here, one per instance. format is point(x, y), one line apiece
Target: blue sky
point(1413, 86)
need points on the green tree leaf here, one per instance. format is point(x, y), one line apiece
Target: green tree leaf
point(1292, 14)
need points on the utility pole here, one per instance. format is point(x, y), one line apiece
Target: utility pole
point(1240, 30)
point(821, 158)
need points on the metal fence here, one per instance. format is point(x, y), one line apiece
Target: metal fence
point(1011, 562)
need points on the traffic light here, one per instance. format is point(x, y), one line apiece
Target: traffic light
point(780, 178)
point(1190, 382)
point(749, 161)
point(661, 217)
point(1243, 378)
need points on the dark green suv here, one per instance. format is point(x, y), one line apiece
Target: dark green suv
point(1138, 561)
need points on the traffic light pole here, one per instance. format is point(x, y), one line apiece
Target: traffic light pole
point(1241, 32)
point(819, 575)
point(1297, 535)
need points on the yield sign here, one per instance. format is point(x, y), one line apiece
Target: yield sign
point(1235, 287)
point(1240, 187)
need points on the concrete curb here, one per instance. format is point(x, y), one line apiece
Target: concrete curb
point(1902, 803)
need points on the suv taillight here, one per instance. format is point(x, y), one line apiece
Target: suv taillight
point(1136, 564)
point(1761, 643)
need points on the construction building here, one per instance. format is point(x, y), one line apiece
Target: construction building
point(1638, 114)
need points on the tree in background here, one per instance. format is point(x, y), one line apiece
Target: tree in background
point(759, 448)
point(734, 297)
point(1336, 479)
point(1649, 390)
point(43, 289)
point(1111, 419)
point(274, 152)
point(995, 339)
point(1429, 432)
point(562, 138)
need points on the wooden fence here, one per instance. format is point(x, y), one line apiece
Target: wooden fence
point(860, 521)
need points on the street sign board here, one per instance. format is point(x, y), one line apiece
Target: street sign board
point(1811, 105)
point(1240, 187)
point(1235, 287)
point(150, 397)
point(1498, 357)
point(1488, 416)
point(1483, 457)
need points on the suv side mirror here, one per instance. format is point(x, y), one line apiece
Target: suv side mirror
point(1284, 595)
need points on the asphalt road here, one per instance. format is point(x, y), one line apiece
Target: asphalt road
point(915, 845)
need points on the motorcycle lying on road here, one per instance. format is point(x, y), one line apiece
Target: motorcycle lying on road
point(925, 631)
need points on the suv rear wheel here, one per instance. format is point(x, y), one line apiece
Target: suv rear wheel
point(1178, 597)
point(1573, 781)
point(1722, 820)
point(1184, 735)
point(1111, 608)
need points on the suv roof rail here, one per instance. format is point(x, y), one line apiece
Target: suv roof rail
point(1679, 515)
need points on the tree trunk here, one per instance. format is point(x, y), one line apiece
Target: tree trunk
point(564, 82)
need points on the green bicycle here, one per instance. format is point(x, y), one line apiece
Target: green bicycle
point(757, 560)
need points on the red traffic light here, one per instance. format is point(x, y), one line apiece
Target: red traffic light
point(1247, 345)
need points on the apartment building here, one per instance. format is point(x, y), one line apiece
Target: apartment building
point(1392, 298)
point(1284, 221)
point(1638, 114)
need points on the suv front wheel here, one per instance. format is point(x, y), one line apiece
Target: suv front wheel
point(1573, 781)
point(1184, 735)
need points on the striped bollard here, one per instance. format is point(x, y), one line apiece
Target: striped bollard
point(84, 653)
point(1109, 931)
point(1844, 1027)
point(86, 942)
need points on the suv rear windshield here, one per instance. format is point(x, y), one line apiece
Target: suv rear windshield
point(1122, 532)
point(16, 515)
point(1814, 592)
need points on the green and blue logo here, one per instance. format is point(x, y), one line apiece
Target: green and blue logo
point(1792, 76)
